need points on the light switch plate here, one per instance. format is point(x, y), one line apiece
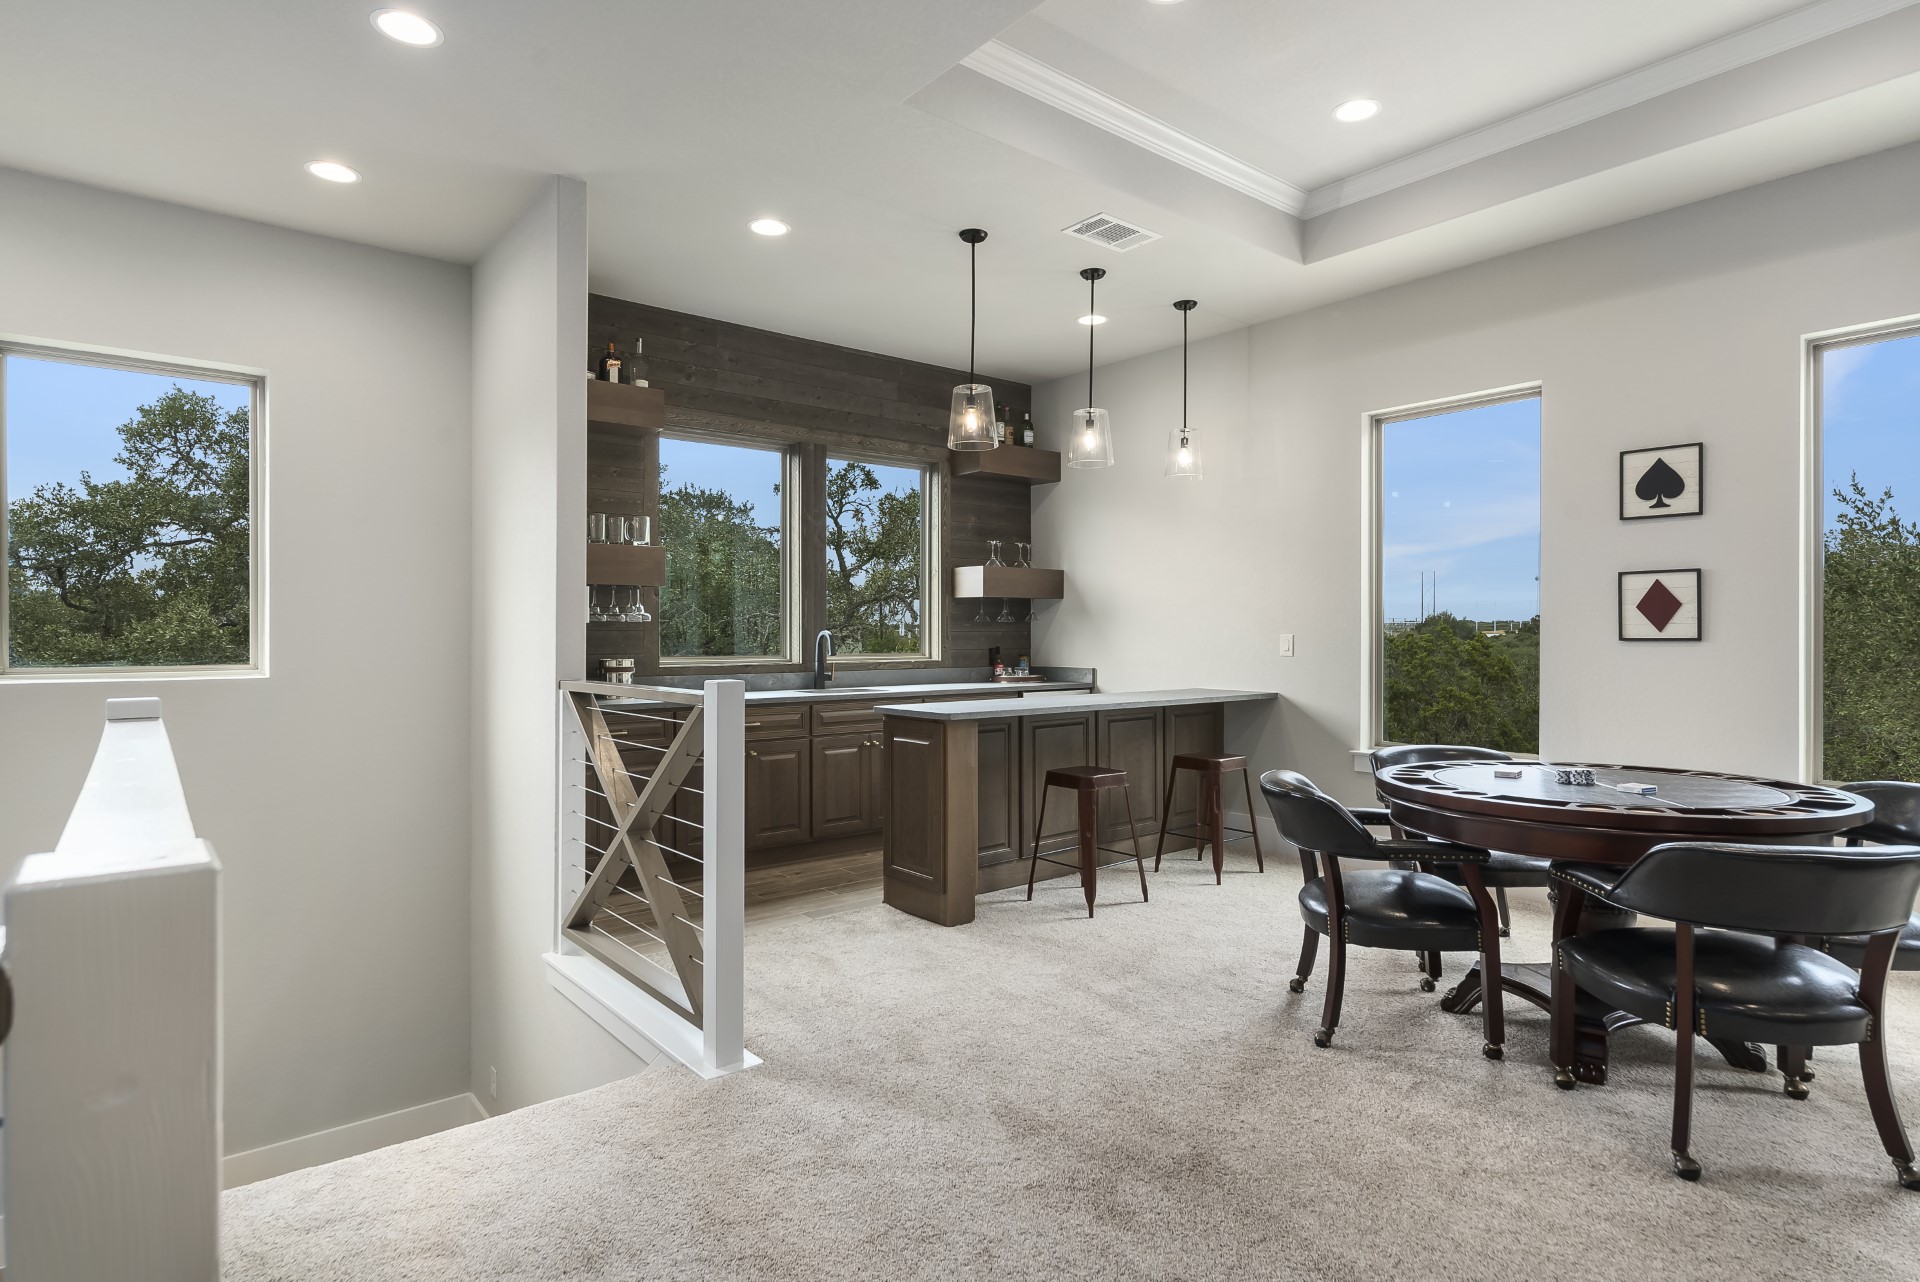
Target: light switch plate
point(1286, 645)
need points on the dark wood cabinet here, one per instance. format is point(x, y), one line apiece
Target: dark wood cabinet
point(779, 792)
point(1132, 740)
point(1052, 743)
point(1000, 813)
point(1198, 729)
point(846, 785)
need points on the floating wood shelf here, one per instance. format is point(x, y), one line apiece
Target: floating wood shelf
point(972, 581)
point(623, 565)
point(1022, 464)
point(622, 405)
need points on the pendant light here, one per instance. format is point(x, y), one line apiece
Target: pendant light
point(1092, 435)
point(971, 426)
point(1183, 444)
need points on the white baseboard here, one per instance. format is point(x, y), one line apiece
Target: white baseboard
point(640, 1024)
point(350, 1140)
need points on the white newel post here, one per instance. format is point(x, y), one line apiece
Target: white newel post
point(723, 977)
point(112, 1077)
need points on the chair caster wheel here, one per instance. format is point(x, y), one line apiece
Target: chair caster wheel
point(1296, 985)
point(1908, 1177)
point(1426, 984)
point(1685, 1167)
point(1323, 1038)
point(1796, 1089)
point(1563, 1078)
point(1493, 1052)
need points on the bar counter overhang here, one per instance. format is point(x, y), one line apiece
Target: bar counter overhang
point(964, 782)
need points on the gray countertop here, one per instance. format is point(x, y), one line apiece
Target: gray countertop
point(991, 691)
point(1042, 705)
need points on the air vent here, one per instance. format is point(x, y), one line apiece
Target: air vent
point(1105, 229)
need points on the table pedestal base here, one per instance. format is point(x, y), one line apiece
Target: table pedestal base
point(1593, 1023)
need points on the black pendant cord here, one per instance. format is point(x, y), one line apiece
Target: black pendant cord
point(1183, 376)
point(973, 303)
point(1091, 280)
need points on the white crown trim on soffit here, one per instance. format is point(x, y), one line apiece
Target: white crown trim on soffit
point(1037, 80)
point(1057, 89)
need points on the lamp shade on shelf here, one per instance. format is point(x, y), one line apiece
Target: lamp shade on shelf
point(1091, 441)
point(1183, 454)
point(971, 425)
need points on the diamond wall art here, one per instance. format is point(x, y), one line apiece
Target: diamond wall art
point(1661, 482)
point(1660, 605)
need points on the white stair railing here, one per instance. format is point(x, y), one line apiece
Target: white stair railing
point(112, 1066)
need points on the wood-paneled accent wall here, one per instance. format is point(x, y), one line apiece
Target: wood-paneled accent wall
point(722, 377)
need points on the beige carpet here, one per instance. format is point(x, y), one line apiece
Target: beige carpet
point(1042, 1096)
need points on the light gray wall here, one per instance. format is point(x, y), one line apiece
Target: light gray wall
point(529, 632)
point(1682, 326)
point(334, 788)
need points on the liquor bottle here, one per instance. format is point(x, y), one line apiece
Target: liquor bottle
point(637, 374)
point(1026, 429)
point(610, 366)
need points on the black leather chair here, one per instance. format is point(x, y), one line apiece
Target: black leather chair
point(1399, 908)
point(1729, 981)
point(1502, 870)
point(1896, 822)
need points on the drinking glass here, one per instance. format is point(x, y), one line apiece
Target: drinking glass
point(639, 530)
point(1006, 611)
point(993, 552)
point(1021, 560)
point(596, 527)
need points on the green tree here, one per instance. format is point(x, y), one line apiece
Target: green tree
point(1871, 640)
point(723, 575)
point(1446, 682)
point(873, 563)
point(149, 570)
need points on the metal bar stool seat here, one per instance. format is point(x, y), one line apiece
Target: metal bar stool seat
point(1087, 783)
point(1210, 809)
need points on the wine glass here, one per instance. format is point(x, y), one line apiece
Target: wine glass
point(1006, 611)
point(993, 552)
point(1021, 561)
point(983, 616)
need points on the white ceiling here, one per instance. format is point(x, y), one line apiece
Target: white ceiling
point(868, 125)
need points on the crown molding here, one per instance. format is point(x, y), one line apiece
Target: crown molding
point(1703, 62)
point(1057, 89)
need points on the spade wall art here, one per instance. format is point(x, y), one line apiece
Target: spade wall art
point(1660, 605)
point(1661, 482)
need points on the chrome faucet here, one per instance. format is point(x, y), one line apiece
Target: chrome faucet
point(822, 651)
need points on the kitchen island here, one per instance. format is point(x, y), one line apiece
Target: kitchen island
point(963, 783)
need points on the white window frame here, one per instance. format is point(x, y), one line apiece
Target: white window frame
point(931, 622)
point(1372, 542)
point(205, 371)
point(790, 582)
point(1813, 497)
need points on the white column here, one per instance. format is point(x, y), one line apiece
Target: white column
point(724, 914)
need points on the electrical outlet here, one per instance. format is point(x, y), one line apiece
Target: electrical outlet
point(493, 1082)
point(1286, 645)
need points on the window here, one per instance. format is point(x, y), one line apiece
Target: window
point(723, 521)
point(876, 548)
point(129, 526)
point(1458, 573)
point(1869, 563)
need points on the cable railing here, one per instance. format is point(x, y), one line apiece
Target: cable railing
point(652, 854)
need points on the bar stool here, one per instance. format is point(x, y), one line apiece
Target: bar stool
point(1087, 782)
point(1213, 770)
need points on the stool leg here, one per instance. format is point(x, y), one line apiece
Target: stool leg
point(1039, 822)
point(1253, 821)
point(1126, 795)
point(1089, 836)
point(1166, 809)
point(1217, 821)
point(1506, 915)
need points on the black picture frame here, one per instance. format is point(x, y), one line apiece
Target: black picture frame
point(1699, 602)
point(1698, 488)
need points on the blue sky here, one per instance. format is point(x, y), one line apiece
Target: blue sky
point(1460, 495)
point(64, 418)
point(1870, 418)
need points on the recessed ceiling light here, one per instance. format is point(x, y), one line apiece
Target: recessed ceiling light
point(768, 227)
point(1095, 318)
point(333, 171)
point(1357, 110)
point(407, 28)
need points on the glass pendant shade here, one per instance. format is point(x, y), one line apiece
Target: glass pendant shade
point(1090, 443)
point(1183, 453)
point(971, 425)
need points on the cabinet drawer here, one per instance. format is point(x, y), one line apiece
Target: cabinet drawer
point(853, 714)
point(767, 721)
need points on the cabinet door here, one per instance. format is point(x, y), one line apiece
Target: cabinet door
point(843, 785)
point(999, 791)
point(1132, 740)
point(779, 798)
point(1197, 728)
point(1050, 743)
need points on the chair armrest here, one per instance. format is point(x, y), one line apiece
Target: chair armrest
point(1596, 879)
point(1436, 852)
point(1371, 816)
